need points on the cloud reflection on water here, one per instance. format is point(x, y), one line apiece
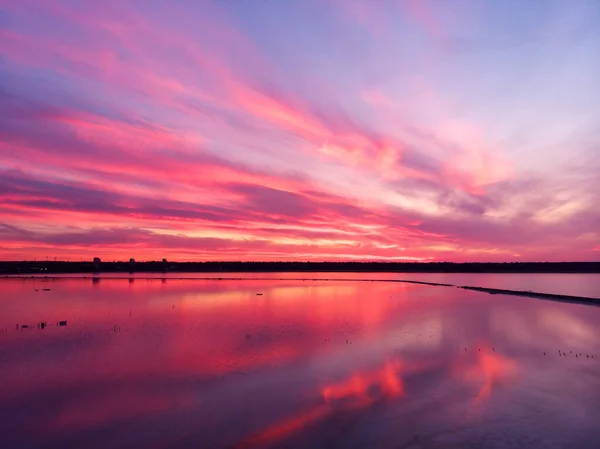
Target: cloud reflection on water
point(212, 362)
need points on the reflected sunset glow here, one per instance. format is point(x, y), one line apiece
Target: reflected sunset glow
point(362, 389)
point(201, 363)
point(490, 370)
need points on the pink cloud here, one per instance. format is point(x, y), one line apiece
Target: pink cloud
point(152, 132)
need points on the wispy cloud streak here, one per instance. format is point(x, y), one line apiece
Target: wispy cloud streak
point(212, 130)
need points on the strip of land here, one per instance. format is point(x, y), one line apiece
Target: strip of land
point(493, 291)
point(131, 266)
point(551, 296)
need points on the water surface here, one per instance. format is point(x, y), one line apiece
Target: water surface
point(287, 363)
point(574, 284)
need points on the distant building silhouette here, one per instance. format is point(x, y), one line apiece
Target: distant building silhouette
point(97, 262)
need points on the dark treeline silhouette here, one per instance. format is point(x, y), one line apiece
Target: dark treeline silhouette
point(54, 267)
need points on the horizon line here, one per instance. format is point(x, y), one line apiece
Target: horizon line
point(300, 261)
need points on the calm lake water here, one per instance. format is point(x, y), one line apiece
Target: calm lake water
point(565, 284)
point(285, 363)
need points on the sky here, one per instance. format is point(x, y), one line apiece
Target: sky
point(386, 130)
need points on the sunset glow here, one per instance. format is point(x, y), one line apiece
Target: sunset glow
point(361, 390)
point(299, 130)
point(364, 388)
point(489, 371)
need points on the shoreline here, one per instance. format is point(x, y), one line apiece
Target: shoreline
point(164, 266)
point(574, 299)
